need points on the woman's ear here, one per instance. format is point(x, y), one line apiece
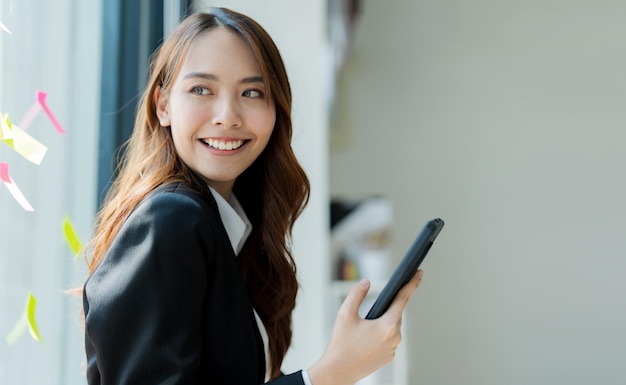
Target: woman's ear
point(161, 101)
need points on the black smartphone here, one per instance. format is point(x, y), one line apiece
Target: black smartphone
point(407, 267)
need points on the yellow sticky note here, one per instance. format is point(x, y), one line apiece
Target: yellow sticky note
point(20, 141)
point(32, 323)
point(26, 321)
point(71, 237)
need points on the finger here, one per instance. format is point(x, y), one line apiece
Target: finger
point(402, 298)
point(355, 297)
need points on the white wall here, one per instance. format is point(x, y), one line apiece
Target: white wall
point(506, 119)
point(55, 47)
point(297, 27)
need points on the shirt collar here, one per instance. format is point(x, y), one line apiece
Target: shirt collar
point(235, 220)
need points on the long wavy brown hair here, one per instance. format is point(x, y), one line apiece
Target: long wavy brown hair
point(273, 190)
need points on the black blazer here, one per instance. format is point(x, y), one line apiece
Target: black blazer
point(167, 305)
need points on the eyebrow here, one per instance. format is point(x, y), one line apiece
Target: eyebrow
point(207, 76)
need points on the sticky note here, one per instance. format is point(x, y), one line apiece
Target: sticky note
point(41, 98)
point(71, 237)
point(20, 141)
point(34, 110)
point(12, 187)
point(5, 29)
point(26, 321)
point(32, 113)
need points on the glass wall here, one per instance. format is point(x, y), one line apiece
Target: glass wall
point(49, 87)
point(63, 65)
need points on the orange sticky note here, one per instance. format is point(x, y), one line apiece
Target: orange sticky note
point(12, 187)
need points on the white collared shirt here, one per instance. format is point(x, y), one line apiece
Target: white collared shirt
point(235, 220)
point(238, 228)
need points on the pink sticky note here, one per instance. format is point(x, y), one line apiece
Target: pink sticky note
point(30, 116)
point(4, 172)
point(12, 187)
point(41, 98)
point(5, 29)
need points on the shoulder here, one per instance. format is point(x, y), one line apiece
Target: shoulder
point(176, 201)
point(173, 212)
point(169, 224)
point(181, 195)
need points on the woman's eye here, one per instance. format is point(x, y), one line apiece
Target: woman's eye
point(197, 90)
point(253, 94)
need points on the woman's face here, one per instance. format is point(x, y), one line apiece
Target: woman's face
point(220, 116)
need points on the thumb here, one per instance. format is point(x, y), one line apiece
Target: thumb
point(356, 296)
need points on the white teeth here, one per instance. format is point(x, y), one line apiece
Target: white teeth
point(224, 145)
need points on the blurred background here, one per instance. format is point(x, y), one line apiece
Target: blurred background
point(504, 118)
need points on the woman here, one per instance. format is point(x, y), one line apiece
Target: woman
point(191, 277)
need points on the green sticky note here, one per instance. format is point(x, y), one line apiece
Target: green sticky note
point(26, 321)
point(20, 141)
point(32, 323)
point(71, 237)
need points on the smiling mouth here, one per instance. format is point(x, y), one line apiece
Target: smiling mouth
point(224, 145)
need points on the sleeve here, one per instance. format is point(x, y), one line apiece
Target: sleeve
point(143, 303)
point(297, 378)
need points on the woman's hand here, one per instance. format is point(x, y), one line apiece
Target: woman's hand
point(358, 347)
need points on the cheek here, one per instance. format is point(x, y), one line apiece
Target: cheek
point(265, 135)
point(177, 139)
point(266, 122)
point(185, 124)
point(269, 127)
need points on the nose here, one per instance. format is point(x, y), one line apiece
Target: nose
point(226, 112)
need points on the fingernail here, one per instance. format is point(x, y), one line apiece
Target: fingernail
point(420, 274)
point(364, 282)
